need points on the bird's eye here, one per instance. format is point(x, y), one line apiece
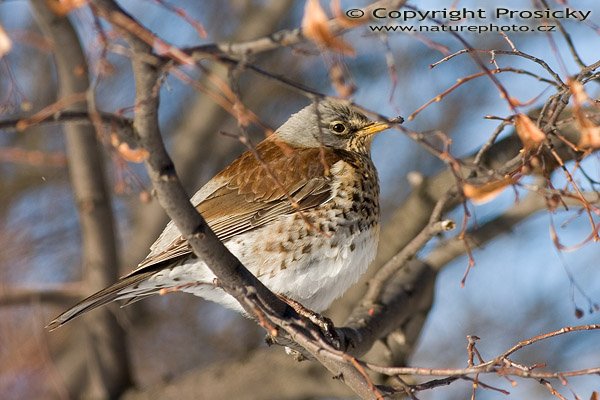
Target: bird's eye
point(338, 127)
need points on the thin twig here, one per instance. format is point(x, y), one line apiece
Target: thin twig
point(513, 52)
point(567, 38)
point(59, 117)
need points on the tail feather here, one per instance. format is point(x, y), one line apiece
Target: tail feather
point(123, 289)
point(139, 296)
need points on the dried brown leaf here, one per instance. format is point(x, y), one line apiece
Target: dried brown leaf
point(590, 135)
point(132, 155)
point(63, 7)
point(5, 42)
point(315, 26)
point(580, 96)
point(531, 136)
point(242, 114)
point(590, 132)
point(488, 191)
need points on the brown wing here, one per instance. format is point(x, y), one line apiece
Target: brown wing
point(257, 189)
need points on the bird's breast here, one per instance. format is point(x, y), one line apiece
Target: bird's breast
point(315, 255)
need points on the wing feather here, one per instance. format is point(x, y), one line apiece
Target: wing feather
point(253, 192)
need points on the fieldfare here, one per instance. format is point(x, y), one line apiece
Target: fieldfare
point(310, 251)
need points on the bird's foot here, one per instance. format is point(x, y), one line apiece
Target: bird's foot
point(325, 324)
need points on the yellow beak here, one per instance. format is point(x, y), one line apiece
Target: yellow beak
point(374, 128)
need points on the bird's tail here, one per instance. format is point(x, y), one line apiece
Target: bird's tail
point(127, 287)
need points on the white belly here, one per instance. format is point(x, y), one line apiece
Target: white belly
point(315, 280)
point(330, 273)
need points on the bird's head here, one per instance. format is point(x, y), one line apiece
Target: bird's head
point(332, 124)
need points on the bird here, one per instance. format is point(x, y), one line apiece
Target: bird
point(301, 212)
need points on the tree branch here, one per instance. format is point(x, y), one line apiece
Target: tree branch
point(124, 126)
point(60, 294)
point(285, 38)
